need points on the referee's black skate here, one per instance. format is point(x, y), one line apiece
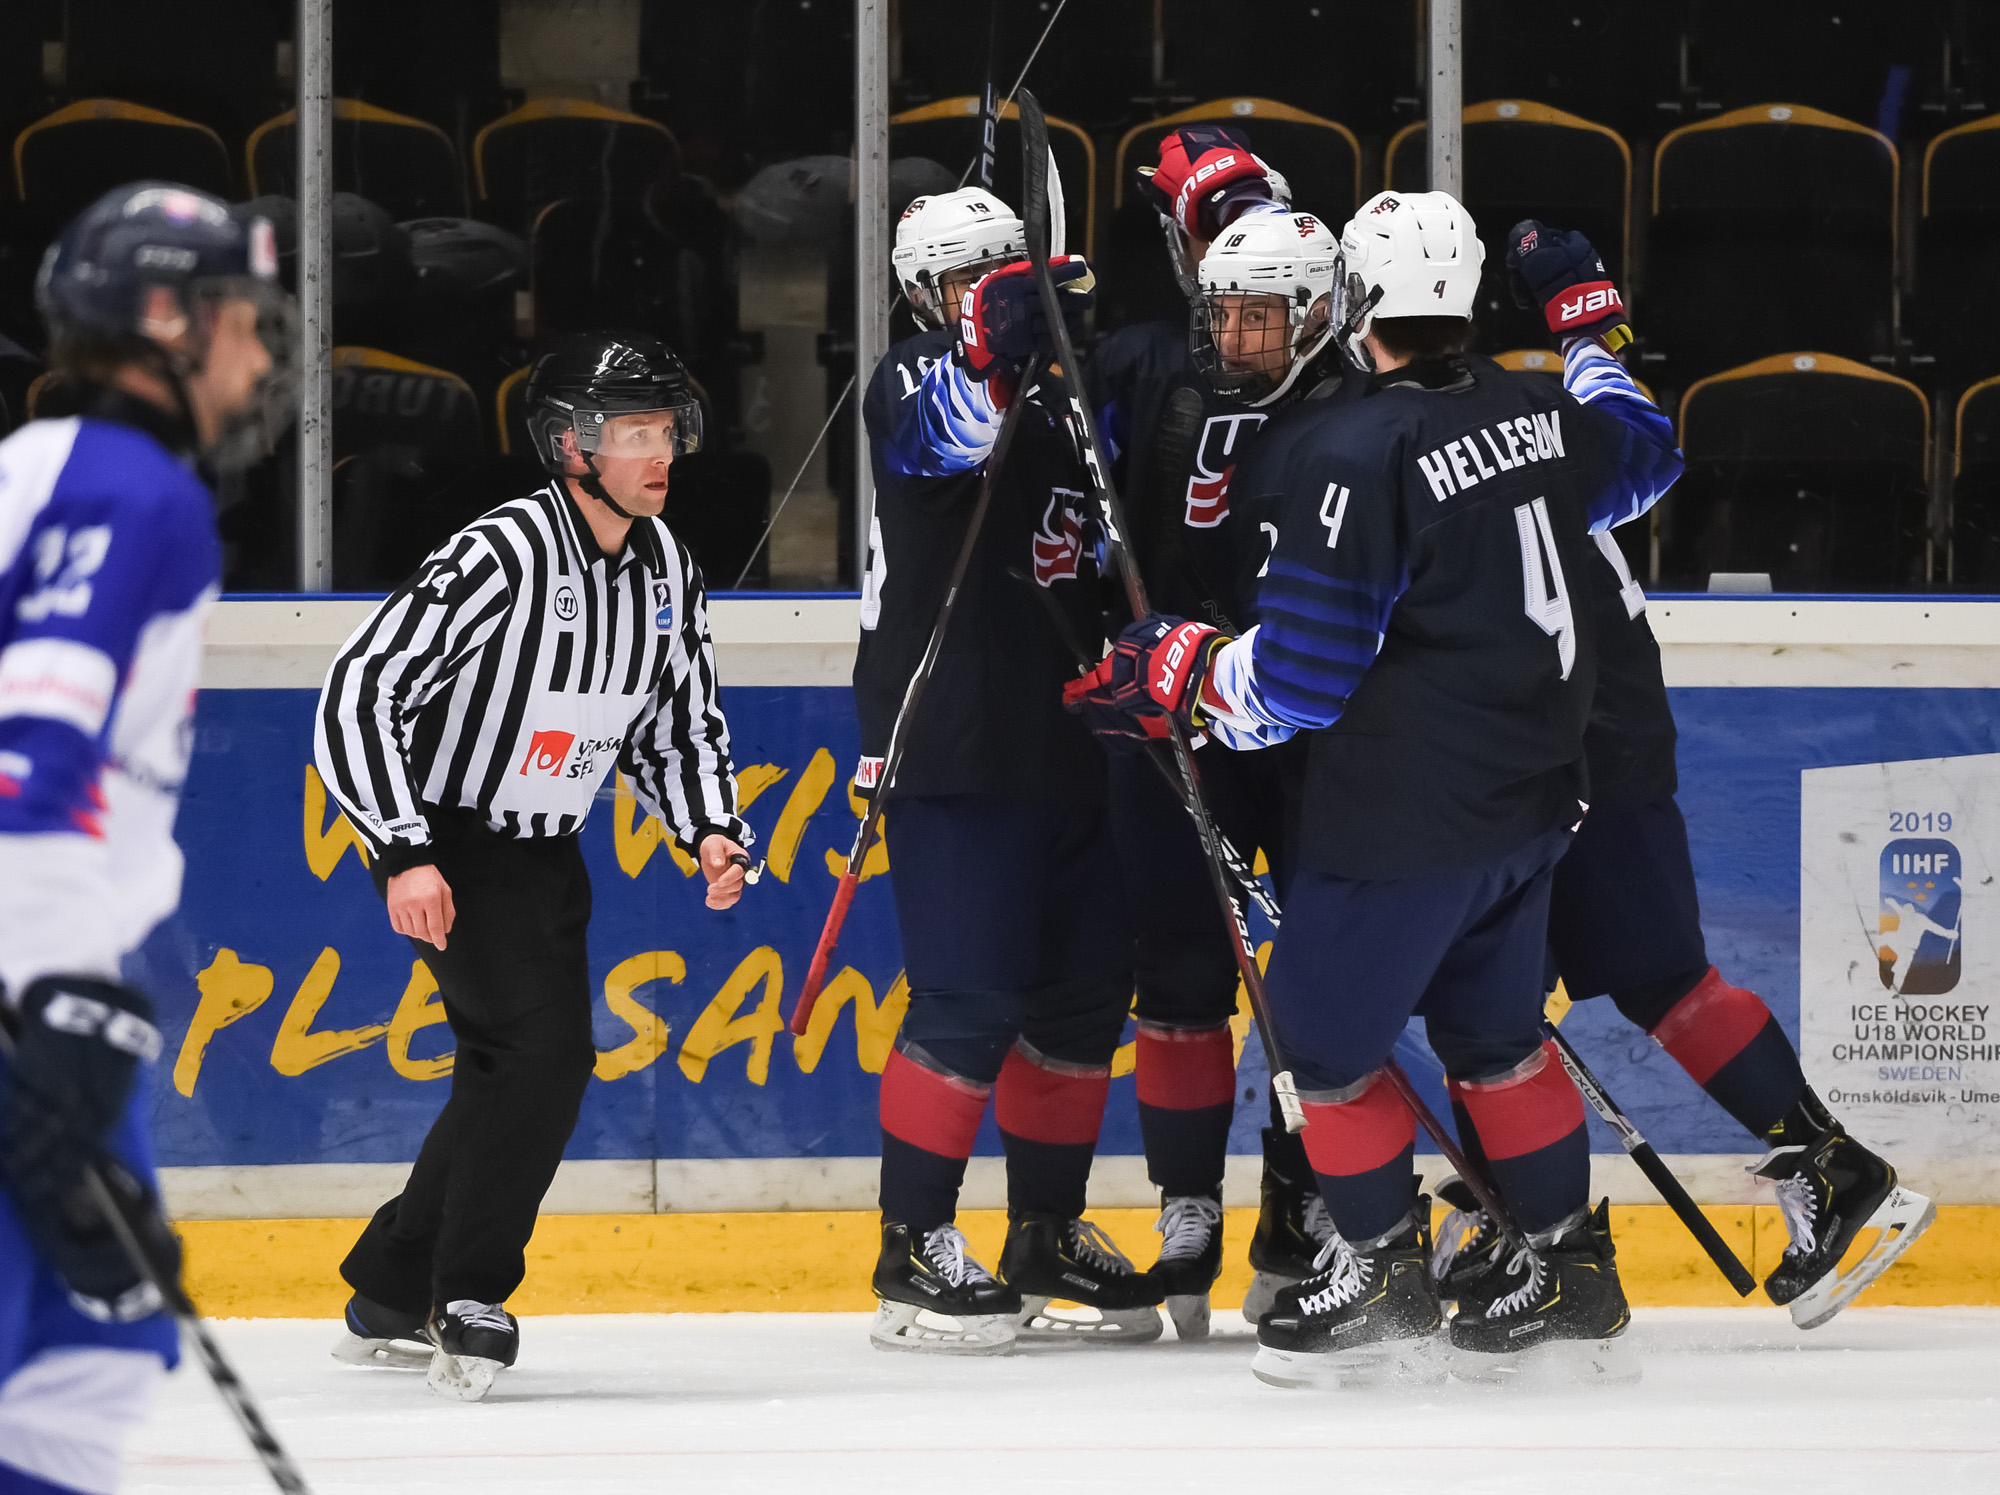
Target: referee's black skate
point(1190, 1227)
point(475, 1342)
point(1831, 1189)
point(1552, 1313)
point(1469, 1244)
point(1367, 1317)
point(1293, 1226)
point(374, 1334)
point(1053, 1263)
point(934, 1296)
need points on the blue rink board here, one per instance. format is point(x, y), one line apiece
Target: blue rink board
point(250, 892)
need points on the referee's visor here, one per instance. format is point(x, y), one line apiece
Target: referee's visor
point(674, 430)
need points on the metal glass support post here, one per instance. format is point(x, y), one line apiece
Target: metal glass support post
point(1447, 101)
point(871, 241)
point(315, 136)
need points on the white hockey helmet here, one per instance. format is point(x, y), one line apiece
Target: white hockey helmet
point(946, 232)
point(1406, 254)
point(1264, 306)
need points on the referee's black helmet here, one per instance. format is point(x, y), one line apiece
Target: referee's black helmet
point(586, 379)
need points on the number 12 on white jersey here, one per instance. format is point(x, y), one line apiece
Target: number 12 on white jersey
point(1545, 595)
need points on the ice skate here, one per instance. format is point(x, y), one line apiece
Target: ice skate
point(373, 1334)
point(1293, 1226)
point(1367, 1317)
point(934, 1297)
point(1190, 1228)
point(1469, 1244)
point(475, 1342)
point(1834, 1192)
point(1556, 1314)
point(1056, 1263)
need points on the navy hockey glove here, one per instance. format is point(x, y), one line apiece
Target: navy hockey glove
point(1560, 272)
point(1002, 322)
point(1154, 671)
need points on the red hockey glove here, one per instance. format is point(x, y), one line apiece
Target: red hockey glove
point(1206, 177)
point(1002, 322)
point(1558, 271)
point(1154, 671)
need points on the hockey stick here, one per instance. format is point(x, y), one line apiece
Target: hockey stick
point(277, 1463)
point(864, 836)
point(1655, 1169)
point(1036, 211)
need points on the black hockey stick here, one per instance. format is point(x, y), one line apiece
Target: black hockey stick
point(1036, 214)
point(277, 1463)
point(892, 759)
point(1655, 1169)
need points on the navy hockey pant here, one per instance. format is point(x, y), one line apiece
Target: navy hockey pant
point(1625, 921)
point(1018, 955)
point(1464, 950)
point(514, 977)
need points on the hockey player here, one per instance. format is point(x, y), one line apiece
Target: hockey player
point(1000, 854)
point(1624, 915)
point(169, 331)
point(1416, 620)
point(1179, 406)
point(467, 728)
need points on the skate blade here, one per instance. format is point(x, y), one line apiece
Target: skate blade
point(1556, 1363)
point(400, 1354)
point(1263, 1293)
point(1189, 1311)
point(462, 1378)
point(1053, 1321)
point(1896, 1223)
point(907, 1327)
point(1392, 1363)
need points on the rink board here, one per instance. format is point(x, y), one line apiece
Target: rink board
point(303, 1035)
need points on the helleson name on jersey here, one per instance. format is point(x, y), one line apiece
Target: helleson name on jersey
point(1460, 464)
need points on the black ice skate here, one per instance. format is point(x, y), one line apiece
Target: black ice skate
point(1190, 1228)
point(1831, 1190)
point(1553, 1312)
point(379, 1335)
point(1368, 1317)
point(1293, 1226)
point(475, 1342)
point(1050, 1260)
point(1469, 1244)
point(935, 1297)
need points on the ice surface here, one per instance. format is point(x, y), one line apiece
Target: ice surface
point(1879, 1399)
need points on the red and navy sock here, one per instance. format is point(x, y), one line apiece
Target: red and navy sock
point(929, 1119)
point(1731, 1046)
point(1049, 1113)
point(1529, 1122)
point(1362, 1141)
point(1187, 1098)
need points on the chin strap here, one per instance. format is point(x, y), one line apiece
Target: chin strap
point(594, 486)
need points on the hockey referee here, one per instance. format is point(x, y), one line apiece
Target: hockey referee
point(465, 729)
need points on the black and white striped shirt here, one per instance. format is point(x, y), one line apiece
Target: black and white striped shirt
point(514, 670)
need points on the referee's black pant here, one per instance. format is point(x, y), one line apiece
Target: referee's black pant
point(514, 979)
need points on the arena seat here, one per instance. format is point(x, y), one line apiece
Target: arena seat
point(1559, 49)
point(1806, 466)
point(1835, 55)
point(405, 164)
point(1773, 227)
point(1356, 60)
point(1528, 160)
point(1975, 491)
point(1096, 61)
point(1320, 158)
point(1958, 251)
point(65, 161)
point(948, 132)
point(555, 148)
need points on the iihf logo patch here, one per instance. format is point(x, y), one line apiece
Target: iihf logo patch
point(663, 605)
point(1919, 928)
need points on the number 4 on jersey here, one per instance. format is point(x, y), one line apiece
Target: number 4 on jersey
point(1544, 593)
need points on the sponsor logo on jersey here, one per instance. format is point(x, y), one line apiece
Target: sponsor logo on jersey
point(1059, 542)
point(663, 605)
point(565, 603)
point(546, 752)
point(1462, 464)
point(1208, 485)
point(1920, 925)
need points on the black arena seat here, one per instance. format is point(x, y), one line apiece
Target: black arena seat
point(1974, 562)
point(1957, 307)
point(65, 161)
point(407, 165)
point(556, 148)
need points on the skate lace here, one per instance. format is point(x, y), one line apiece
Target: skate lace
point(1318, 1223)
point(476, 1315)
point(1460, 1229)
point(945, 1250)
point(1795, 1201)
point(1185, 1225)
point(1526, 1294)
point(1093, 1248)
point(1347, 1273)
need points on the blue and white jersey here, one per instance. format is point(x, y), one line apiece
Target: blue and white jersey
point(108, 564)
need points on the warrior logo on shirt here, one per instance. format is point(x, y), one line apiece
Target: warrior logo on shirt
point(1059, 542)
point(1208, 486)
point(546, 752)
point(565, 603)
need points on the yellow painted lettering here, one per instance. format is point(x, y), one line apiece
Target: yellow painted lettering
point(297, 1048)
point(649, 1029)
point(418, 1009)
point(324, 848)
point(719, 1027)
point(1241, 1020)
point(229, 990)
point(877, 859)
point(635, 837)
point(875, 1024)
point(806, 797)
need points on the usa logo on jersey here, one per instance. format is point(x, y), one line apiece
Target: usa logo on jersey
point(1059, 542)
point(1208, 485)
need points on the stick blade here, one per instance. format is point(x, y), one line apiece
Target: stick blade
point(1034, 173)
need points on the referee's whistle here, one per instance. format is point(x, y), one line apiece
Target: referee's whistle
point(750, 872)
